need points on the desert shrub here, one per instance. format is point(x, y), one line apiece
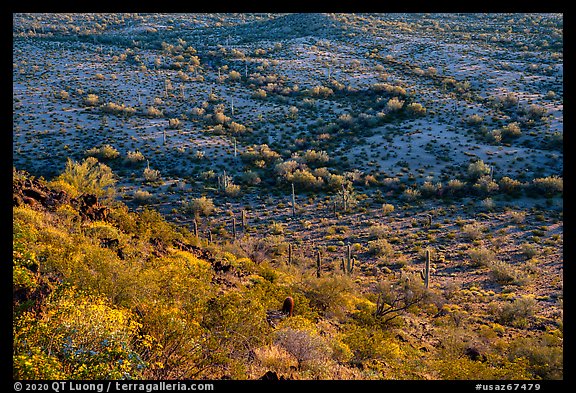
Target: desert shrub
point(303, 179)
point(260, 93)
point(62, 94)
point(142, 196)
point(234, 75)
point(394, 104)
point(509, 100)
point(387, 208)
point(151, 175)
point(276, 228)
point(505, 273)
point(478, 169)
point(328, 294)
point(547, 186)
point(275, 358)
point(485, 185)
point(152, 111)
point(265, 248)
point(78, 336)
point(512, 130)
point(174, 123)
point(378, 231)
point(232, 190)
point(320, 91)
point(536, 111)
point(388, 88)
point(105, 152)
point(315, 157)
point(256, 153)
point(455, 187)
point(543, 352)
point(518, 217)
point(410, 194)
point(528, 250)
point(481, 256)
point(100, 230)
point(239, 320)
point(368, 344)
point(91, 100)
point(488, 204)
point(173, 351)
point(510, 186)
point(380, 248)
point(474, 120)
point(197, 111)
point(472, 231)
point(152, 225)
point(517, 312)
point(430, 189)
point(416, 109)
point(133, 157)
point(89, 176)
point(251, 178)
point(286, 168)
point(118, 109)
point(306, 346)
point(495, 368)
point(201, 206)
point(236, 127)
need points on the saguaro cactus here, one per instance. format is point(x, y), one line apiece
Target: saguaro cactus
point(348, 258)
point(289, 253)
point(293, 202)
point(425, 273)
point(234, 227)
point(243, 220)
point(195, 228)
point(318, 263)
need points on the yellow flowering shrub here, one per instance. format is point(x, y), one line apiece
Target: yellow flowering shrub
point(78, 336)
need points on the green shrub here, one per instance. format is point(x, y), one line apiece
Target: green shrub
point(481, 256)
point(105, 152)
point(478, 169)
point(380, 248)
point(89, 176)
point(517, 312)
point(544, 352)
point(201, 206)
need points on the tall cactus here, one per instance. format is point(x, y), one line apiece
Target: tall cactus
point(195, 228)
point(234, 227)
point(243, 220)
point(348, 258)
point(289, 253)
point(425, 273)
point(293, 201)
point(318, 263)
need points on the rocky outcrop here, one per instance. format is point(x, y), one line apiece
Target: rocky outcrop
point(35, 193)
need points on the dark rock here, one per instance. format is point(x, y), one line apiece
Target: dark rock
point(474, 354)
point(270, 376)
